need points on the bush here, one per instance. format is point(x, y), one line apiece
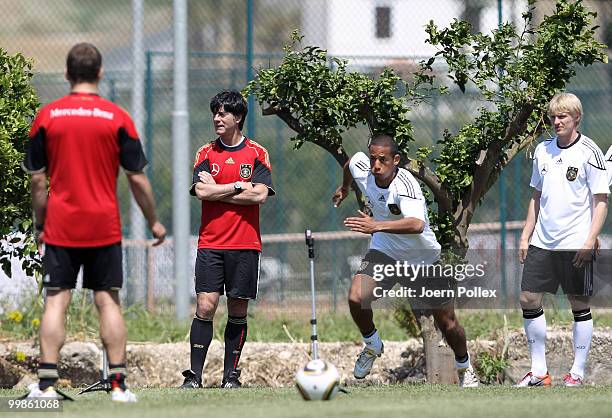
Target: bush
point(18, 104)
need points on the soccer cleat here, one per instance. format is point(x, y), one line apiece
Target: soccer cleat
point(365, 361)
point(35, 392)
point(570, 382)
point(123, 396)
point(529, 381)
point(191, 380)
point(467, 378)
point(230, 380)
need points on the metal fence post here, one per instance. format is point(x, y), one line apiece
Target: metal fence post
point(249, 69)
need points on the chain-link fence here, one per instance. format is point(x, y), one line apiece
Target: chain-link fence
point(370, 34)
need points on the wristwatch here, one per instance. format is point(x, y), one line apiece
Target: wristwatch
point(237, 187)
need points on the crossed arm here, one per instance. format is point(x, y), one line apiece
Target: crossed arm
point(208, 189)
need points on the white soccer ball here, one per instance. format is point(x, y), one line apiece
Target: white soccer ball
point(317, 381)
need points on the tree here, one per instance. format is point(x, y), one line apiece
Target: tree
point(515, 72)
point(18, 104)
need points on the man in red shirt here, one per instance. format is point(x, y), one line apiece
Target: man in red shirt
point(232, 177)
point(79, 142)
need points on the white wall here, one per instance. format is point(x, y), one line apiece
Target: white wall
point(351, 24)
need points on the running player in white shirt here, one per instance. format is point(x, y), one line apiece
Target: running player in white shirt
point(400, 232)
point(566, 213)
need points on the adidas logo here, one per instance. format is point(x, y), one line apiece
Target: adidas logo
point(229, 161)
point(381, 198)
point(559, 161)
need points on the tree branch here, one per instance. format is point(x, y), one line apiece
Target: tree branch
point(492, 160)
point(427, 176)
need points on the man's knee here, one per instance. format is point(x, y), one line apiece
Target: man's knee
point(579, 303)
point(57, 300)
point(360, 293)
point(446, 322)
point(237, 307)
point(206, 306)
point(530, 300)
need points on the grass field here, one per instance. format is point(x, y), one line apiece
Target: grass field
point(389, 401)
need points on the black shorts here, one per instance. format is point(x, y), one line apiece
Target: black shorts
point(102, 267)
point(235, 272)
point(427, 291)
point(545, 270)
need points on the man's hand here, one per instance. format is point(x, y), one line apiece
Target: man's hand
point(206, 178)
point(39, 238)
point(583, 256)
point(364, 224)
point(159, 233)
point(340, 194)
point(522, 253)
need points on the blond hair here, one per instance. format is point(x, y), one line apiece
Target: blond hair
point(565, 103)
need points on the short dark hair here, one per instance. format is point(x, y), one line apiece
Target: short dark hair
point(232, 102)
point(83, 63)
point(385, 140)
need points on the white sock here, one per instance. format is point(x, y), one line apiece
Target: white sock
point(583, 331)
point(463, 365)
point(373, 341)
point(535, 329)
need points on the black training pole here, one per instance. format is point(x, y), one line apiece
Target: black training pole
point(313, 321)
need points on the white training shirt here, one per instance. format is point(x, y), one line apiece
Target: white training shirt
point(405, 198)
point(609, 165)
point(568, 178)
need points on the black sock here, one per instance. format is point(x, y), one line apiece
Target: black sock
point(116, 373)
point(200, 337)
point(235, 336)
point(369, 334)
point(462, 359)
point(584, 315)
point(47, 375)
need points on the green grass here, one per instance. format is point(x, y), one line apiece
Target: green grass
point(390, 401)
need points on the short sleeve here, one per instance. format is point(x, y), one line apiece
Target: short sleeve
point(36, 156)
point(596, 173)
point(199, 166)
point(131, 154)
point(262, 174)
point(409, 196)
point(360, 169)
point(536, 175)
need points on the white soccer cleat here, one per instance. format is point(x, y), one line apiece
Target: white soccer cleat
point(35, 392)
point(530, 381)
point(570, 381)
point(365, 361)
point(467, 377)
point(123, 396)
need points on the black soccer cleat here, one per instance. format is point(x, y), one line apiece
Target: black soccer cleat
point(230, 380)
point(191, 380)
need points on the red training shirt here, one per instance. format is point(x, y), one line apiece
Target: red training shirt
point(226, 225)
point(80, 140)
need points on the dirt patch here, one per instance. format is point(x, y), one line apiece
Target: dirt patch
point(275, 364)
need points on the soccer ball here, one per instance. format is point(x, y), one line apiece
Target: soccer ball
point(317, 381)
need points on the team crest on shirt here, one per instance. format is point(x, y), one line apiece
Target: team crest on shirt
point(246, 170)
point(394, 209)
point(571, 174)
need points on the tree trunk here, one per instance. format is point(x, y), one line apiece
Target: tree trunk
point(439, 358)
